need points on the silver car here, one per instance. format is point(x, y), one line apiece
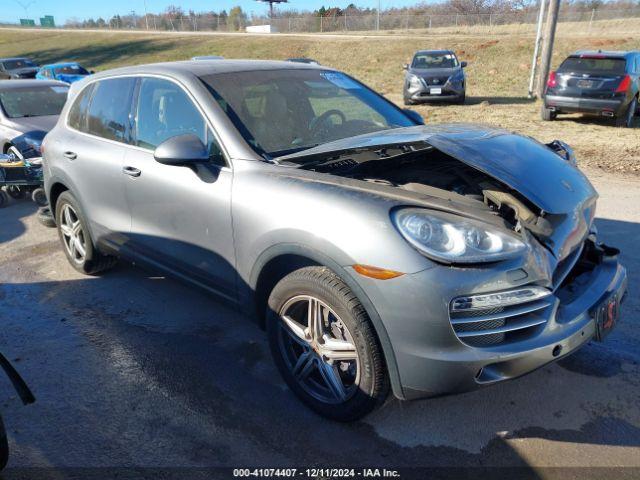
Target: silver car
point(434, 75)
point(378, 253)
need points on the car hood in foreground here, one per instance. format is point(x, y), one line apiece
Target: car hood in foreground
point(525, 165)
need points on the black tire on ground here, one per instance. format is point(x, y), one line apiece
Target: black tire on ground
point(626, 120)
point(4, 198)
point(45, 217)
point(408, 102)
point(40, 197)
point(94, 262)
point(547, 114)
point(15, 192)
point(326, 286)
point(4, 446)
point(461, 99)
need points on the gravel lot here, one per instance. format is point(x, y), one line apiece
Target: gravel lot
point(131, 369)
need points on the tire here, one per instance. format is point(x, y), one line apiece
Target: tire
point(4, 446)
point(92, 262)
point(548, 114)
point(626, 119)
point(408, 102)
point(4, 198)
point(45, 217)
point(40, 197)
point(15, 192)
point(344, 389)
point(461, 99)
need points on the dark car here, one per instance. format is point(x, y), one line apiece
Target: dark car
point(434, 75)
point(28, 110)
point(601, 83)
point(17, 68)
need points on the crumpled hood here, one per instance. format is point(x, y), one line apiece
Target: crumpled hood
point(522, 163)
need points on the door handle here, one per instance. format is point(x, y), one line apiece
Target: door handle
point(71, 155)
point(131, 171)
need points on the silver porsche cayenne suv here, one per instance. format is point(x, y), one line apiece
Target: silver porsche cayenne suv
point(377, 253)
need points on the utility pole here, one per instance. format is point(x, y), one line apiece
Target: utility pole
point(547, 47)
point(378, 17)
point(536, 48)
point(146, 15)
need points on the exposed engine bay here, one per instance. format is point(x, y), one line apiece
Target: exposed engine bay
point(421, 169)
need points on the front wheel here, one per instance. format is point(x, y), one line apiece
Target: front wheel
point(325, 346)
point(76, 239)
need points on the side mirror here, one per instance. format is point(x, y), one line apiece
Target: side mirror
point(463, 64)
point(181, 150)
point(405, 66)
point(413, 115)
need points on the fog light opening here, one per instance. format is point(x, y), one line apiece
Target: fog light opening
point(557, 350)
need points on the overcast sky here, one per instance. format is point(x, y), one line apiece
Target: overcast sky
point(12, 11)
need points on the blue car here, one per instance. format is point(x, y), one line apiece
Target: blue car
point(65, 72)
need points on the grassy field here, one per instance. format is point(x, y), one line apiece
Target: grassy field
point(498, 73)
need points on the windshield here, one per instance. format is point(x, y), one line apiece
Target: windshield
point(70, 70)
point(434, 60)
point(18, 63)
point(284, 111)
point(33, 101)
point(611, 66)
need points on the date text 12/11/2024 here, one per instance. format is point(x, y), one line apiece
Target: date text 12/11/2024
point(315, 473)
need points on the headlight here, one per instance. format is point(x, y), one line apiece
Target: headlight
point(414, 82)
point(454, 239)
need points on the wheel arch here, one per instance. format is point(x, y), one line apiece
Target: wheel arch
point(282, 259)
point(56, 189)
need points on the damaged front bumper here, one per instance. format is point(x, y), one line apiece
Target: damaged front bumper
point(434, 356)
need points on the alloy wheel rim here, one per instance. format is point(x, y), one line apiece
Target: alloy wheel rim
point(319, 350)
point(72, 234)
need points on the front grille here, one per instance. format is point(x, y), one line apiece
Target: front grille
point(498, 325)
point(436, 81)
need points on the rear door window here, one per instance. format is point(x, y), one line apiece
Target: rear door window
point(108, 115)
point(594, 65)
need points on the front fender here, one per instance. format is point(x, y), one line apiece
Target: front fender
point(329, 257)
